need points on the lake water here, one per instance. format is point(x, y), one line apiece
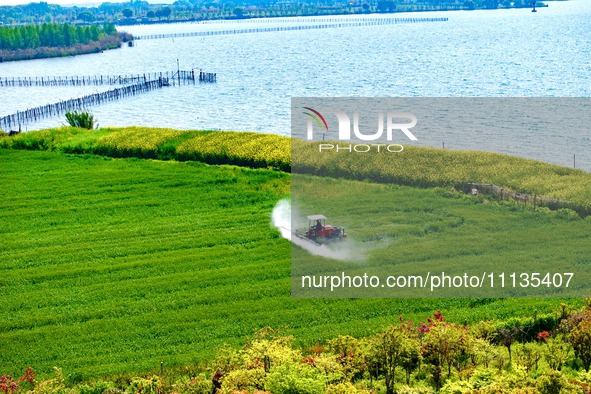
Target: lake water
point(500, 53)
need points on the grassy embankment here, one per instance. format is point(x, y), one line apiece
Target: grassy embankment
point(112, 266)
point(422, 167)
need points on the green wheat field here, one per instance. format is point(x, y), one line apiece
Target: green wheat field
point(120, 253)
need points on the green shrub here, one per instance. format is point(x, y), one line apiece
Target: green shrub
point(243, 379)
point(456, 387)
point(83, 120)
point(482, 378)
point(580, 338)
point(444, 345)
point(556, 352)
point(345, 388)
point(152, 385)
point(198, 385)
point(553, 382)
point(348, 353)
point(395, 348)
point(115, 390)
point(51, 386)
point(296, 379)
point(527, 356)
point(98, 388)
point(415, 390)
point(567, 213)
point(524, 390)
point(332, 367)
point(278, 351)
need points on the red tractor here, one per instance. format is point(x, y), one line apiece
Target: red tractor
point(319, 232)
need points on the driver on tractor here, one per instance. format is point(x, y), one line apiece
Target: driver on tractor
point(318, 226)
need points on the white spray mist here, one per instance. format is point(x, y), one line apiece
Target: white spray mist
point(281, 218)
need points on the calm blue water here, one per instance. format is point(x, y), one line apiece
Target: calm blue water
point(501, 53)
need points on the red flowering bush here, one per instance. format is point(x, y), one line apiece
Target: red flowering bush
point(543, 336)
point(10, 386)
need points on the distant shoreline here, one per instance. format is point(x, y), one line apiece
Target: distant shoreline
point(106, 43)
point(148, 21)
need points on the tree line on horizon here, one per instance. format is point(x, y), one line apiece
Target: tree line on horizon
point(140, 10)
